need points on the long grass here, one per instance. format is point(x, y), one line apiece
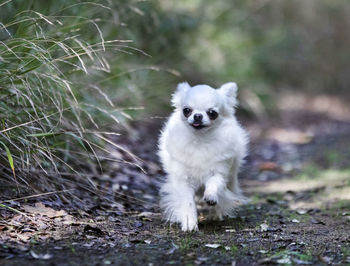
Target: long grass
point(49, 69)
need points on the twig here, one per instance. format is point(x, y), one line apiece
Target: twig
point(13, 209)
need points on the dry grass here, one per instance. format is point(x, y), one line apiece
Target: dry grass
point(49, 71)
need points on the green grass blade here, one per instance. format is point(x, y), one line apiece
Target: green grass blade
point(77, 138)
point(9, 157)
point(48, 134)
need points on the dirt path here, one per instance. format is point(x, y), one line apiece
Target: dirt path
point(298, 180)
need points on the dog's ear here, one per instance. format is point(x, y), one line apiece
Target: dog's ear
point(229, 91)
point(178, 94)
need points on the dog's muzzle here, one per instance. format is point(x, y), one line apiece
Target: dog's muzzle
point(197, 121)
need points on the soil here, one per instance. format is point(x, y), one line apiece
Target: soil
point(296, 176)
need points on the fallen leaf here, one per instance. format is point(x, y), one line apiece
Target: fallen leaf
point(264, 227)
point(40, 256)
point(267, 261)
point(69, 220)
point(200, 260)
point(284, 261)
point(269, 166)
point(24, 237)
point(325, 259)
point(89, 245)
point(212, 245)
point(41, 209)
point(301, 262)
point(316, 221)
point(301, 211)
point(171, 251)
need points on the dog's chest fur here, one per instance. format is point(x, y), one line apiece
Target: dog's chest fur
point(200, 155)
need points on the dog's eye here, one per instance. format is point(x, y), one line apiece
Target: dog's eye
point(212, 114)
point(187, 111)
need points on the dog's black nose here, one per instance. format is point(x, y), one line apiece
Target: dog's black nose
point(198, 117)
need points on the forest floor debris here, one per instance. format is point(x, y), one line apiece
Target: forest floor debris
point(299, 210)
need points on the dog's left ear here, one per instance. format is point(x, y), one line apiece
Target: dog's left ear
point(229, 91)
point(178, 94)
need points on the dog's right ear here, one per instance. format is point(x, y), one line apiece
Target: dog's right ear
point(181, 89)
point(229, 91)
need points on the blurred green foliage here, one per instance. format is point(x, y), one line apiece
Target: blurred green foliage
point(265, 46)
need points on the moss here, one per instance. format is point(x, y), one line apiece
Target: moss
point(187, 243)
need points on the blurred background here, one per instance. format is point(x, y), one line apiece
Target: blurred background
point(73, 74)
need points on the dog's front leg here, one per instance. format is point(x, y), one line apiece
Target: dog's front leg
point(177, 199)
point(213, 187)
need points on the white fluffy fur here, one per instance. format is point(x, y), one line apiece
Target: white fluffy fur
point(209, 157)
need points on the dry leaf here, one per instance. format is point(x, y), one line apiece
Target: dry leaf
point(264, 227)
point(212, 245)
point(269, 166)
point(41, 209)
point(40, 256)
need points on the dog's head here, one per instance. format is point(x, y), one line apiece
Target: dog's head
point(202, 106)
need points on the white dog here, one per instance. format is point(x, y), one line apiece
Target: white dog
point(201, 146)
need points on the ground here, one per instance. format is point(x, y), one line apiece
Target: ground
point(297, 177)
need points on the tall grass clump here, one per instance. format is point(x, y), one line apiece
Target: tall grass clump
point(52, 108)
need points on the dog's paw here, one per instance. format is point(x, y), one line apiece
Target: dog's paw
point(211, 200)
point(215, 214)
point(189, 224)
point(188, 228)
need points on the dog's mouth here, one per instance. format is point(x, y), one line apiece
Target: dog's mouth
point(197, 125)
